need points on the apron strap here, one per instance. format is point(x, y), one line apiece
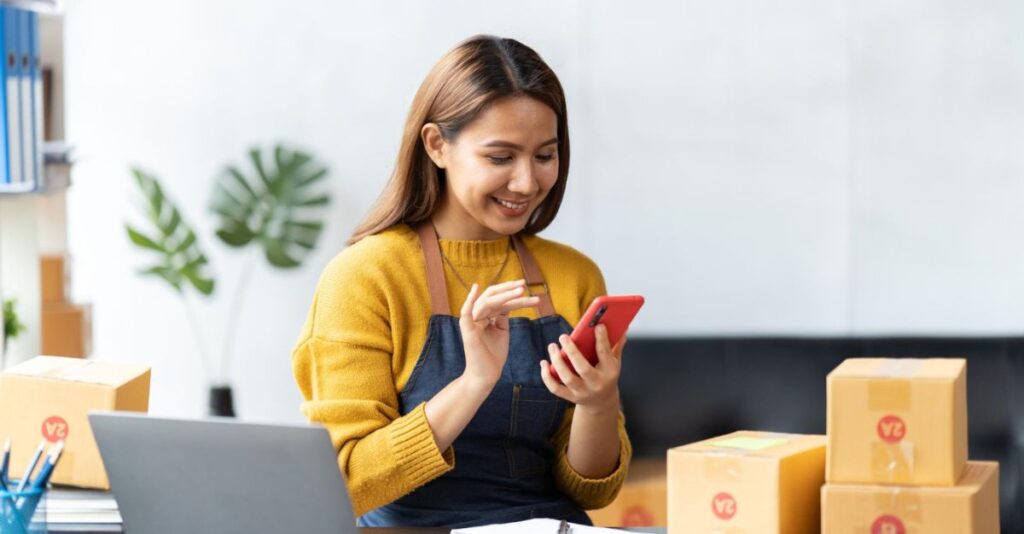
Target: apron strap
point(438, 288)
point(435, 270)
point(533, 277)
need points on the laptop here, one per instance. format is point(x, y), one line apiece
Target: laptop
point(221, 475)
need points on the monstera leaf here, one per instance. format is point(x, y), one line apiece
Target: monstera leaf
point(180, 260)
point(277, 208)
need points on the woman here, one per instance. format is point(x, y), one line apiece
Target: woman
point(428, 347)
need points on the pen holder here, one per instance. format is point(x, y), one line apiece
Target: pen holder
point(22, 512)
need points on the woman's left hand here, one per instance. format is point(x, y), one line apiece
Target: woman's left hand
point(588, 386)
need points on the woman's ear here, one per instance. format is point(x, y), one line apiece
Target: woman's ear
point(434, 143)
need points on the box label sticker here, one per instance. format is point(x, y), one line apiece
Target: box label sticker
point(888, 524)
point(891, 429)
point(55, 428)
point(724, 506)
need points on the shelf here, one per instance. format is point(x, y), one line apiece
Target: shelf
point(56, 177)
point(50, 7)
point(33, 220)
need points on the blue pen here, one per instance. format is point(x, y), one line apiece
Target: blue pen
point(6, 461)
point(47, 469)
point(31, 467)
point(41, 479)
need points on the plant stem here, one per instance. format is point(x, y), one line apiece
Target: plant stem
point(235, 310)
point(197, 331)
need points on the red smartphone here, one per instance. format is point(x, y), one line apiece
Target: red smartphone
point(615, 312)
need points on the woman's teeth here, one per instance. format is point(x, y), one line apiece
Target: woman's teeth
point(510, 205)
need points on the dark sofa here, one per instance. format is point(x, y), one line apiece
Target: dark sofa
point(680, 390)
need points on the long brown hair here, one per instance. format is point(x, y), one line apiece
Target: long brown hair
point(471, 76)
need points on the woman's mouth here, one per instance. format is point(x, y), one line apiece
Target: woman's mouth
point(510, 208)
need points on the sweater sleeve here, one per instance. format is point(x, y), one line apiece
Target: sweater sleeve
point(343, 366)
point(590, 493)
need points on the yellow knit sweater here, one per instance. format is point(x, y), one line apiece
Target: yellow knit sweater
point(364, 333)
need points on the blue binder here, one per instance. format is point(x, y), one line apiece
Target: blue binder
point(36, 84)
point(25, 99)
point(13, 78)
point(5, 171)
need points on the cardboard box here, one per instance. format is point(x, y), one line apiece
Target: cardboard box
point(50, 398)
point(53, 279)
point(643, 499)
point(747, 482)
point(897, 421)
point(67, 330)
point(970, 507)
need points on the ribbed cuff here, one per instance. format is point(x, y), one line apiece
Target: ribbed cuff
point(413, 445)
point(594, 493)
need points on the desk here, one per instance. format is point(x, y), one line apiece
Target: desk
point(440, 530)
point(423, 530)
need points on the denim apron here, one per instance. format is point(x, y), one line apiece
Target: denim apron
point(504, 457)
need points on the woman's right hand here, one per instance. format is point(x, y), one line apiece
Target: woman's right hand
point(484, 325)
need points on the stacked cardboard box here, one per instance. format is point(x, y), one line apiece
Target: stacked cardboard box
point(50, 398)
point(897, 451)
point(746, 482)
point(66, 327)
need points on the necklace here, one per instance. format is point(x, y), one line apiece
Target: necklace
point(493, 279)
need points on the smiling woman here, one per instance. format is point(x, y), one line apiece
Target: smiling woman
point(405, 378)
point(499, 170)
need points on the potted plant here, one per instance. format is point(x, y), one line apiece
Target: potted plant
point(12, 327)
point(275, 212)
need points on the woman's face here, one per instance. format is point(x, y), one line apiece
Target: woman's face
point(499, 167)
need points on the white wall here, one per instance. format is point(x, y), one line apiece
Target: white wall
point(803, 166)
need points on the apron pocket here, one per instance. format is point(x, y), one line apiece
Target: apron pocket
point(534, 418)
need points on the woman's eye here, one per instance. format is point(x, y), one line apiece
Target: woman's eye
point(548, 157)
point(500, 160)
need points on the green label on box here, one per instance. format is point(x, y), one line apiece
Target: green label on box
point(751, 444)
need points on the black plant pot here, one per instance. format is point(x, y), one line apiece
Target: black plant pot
point(220, 401)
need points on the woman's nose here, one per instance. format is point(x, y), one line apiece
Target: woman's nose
point(524, 181)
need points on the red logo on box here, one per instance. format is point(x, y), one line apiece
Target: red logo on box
point(888, 524)
point(724, 506)
point(637, 516)
point(55, 428)
point(891, 429)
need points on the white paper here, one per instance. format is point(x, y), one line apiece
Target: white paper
point(533, 526)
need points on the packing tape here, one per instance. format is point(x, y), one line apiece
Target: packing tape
point(887, 395)
point(898, 367)
point(80, 372)
point(723, 467)
point(889, 386)
point(906, 505)
point(892, 462)
point(752, 444)
point(62, 371)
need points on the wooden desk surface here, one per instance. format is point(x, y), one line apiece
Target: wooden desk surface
point(403, 530)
